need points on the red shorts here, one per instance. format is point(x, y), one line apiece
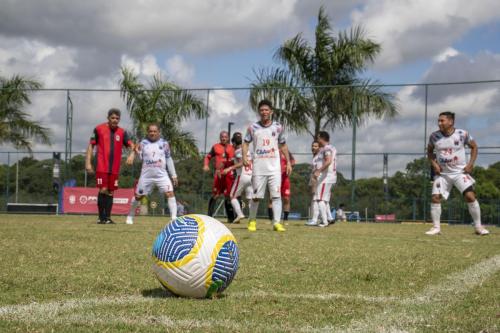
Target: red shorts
point(285, 185)
point(106, 180)
point(223, 184)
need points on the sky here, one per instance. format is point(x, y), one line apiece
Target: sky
point(219, 43)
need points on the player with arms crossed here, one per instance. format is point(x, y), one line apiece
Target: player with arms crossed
point(446, 152)
point(325, 174)
point(268, 138)
point(109, 140)
point(154, 151)
point(243, 180)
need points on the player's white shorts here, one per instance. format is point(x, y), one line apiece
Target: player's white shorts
point(242, 183)
point(259, 183)
point(146, 184)
point(444, 183)
point(323, 191)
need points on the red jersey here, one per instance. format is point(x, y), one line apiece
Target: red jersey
point(223, 154)
point(283, 161)
point(109, 147)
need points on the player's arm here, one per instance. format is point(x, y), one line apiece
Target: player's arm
point(235, 166)
point(170, 165)
point(473, 156)
point(326, 164)
point(284, 150)
point(206, 160)
point(90, 151)
point(432, 158)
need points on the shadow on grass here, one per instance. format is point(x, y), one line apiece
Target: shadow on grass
point(163, 293)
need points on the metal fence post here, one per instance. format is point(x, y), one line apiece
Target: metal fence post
point(7, 181)
point(426, 165)
point(353, 157)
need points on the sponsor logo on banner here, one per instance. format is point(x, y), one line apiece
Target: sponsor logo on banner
point(84, 200)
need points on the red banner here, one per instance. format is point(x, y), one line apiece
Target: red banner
point(385, 218)
point(84, 200)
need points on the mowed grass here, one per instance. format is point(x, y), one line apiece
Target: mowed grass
point(68, 274)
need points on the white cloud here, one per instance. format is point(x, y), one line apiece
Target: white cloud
point(411, 30)
point(445, 54)
point(179, 70)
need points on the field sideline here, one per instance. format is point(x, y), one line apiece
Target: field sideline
point(68, 274)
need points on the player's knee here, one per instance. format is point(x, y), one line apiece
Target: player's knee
point(436, 198)
point(169, 194)
point(469, 194)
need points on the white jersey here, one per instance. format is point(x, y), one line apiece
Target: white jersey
point(266, 141)
point(238, 157)
point(154, 156)
point(330, 174)
point(450, 150)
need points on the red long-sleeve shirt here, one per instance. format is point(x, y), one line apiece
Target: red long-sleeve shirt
point(223, 155)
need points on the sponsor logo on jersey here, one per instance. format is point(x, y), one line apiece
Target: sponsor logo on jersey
point(264, 151)
point(117, 137)
point(457, 142)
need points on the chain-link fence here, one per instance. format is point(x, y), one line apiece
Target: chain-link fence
point(381, 161)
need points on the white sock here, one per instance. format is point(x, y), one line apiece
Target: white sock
point(475, 213)
point(253, 207)
point(315, 211)
point(322, 211)
point(236, 206)
point(436, 215)
point(277, 207)
point(172, 207)
point(328, 212)
point(133, 207)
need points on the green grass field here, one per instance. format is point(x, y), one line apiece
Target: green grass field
point(67, 274)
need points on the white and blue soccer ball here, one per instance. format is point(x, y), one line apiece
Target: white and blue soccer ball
point(195, 256)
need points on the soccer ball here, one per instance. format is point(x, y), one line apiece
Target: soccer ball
point(195, 256)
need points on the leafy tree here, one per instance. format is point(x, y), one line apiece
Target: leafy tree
point(15, 126)
point(164, 103)
point(332, 61)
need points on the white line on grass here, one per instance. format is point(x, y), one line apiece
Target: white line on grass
point(425, 307)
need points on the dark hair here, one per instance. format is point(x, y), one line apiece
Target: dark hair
point(237, 138)
point(448, 114)
point(324, 135)
point(114, 111)
point(265, 102)
point(314, 141)
point(153, 124)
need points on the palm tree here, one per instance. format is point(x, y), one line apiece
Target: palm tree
point(163, 103)
point(301, 90)
point(15, 126)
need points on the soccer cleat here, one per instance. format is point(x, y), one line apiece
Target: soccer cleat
point(279, 227)
point(130, 220)
point(311, 223)
point(238, 219)
point(482, 231)
point(99, 221)
point(252, 226)
point(331, 221)
point(433, 231)
point(109, 221)
point(322, 225)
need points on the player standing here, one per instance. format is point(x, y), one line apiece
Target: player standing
point(268, 139)
point(223, 154)
point(285, 188)
point(326, 175)
point(109, 140)
point(243, 180)
point(154, 151)
point(446, 152)
point(314, 181)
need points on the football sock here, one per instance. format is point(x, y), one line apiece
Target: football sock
point(236, 206)
point(285, 215)
point(133, 207)
point(211, 206)
point(475, 212)
point(270, 213)
point(277, 210)
point(436, 214)
point(329, 212)
point(253, 208)
point(101, 205)
point(108, 205)
point(172, 206)
point(229, 210)
point(315, 211)
point(322, 211)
